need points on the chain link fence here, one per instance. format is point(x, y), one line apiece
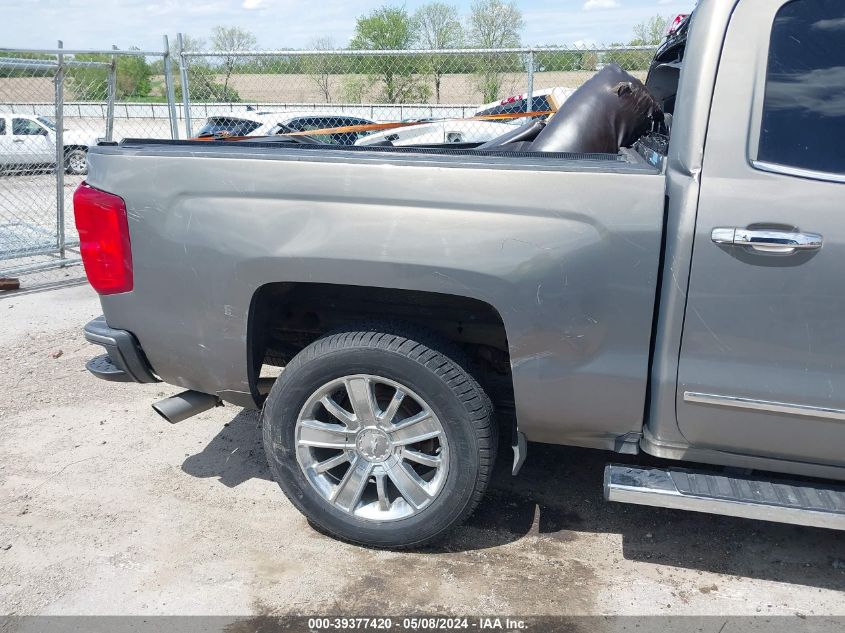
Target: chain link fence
point(54, 104)
point(253, 92)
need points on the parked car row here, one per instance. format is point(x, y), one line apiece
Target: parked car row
point(271, 123)
point(426, 132)
point(448, 131)
point(29, 142)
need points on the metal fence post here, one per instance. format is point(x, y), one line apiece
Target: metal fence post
point(112, 95)
point(529, 101)
point(60, 153)
point(183, 74)
point(171, 93)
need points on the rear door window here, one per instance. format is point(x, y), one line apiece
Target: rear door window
point(803, 122)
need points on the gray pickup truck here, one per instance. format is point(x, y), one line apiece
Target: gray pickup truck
point(683, 297)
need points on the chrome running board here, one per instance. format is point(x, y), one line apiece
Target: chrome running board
point(754, 497)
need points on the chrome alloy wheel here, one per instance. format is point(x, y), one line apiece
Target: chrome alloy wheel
point(77, 161)
point(372, 447)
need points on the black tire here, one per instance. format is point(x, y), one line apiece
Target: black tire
point(434, 370)
point(76, 161)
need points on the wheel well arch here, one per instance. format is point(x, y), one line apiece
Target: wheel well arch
point(285, 317)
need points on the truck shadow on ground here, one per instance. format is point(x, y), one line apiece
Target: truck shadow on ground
point(558, 496)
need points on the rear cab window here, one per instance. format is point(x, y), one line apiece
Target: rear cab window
point(803, 118)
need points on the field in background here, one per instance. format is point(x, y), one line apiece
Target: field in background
point(455, 89)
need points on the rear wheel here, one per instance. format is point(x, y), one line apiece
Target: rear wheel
point(379, 438)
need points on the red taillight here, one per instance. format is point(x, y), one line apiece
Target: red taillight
point(673, 24)
point(103, 239)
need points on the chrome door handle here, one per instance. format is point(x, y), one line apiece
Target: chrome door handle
point(17, 140)
point(767, 240)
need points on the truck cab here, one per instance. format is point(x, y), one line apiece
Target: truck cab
point(756, 335)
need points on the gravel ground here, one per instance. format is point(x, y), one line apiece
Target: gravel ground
point(107, 509)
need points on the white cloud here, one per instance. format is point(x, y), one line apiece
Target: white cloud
point(252, 4)
point(591, 5)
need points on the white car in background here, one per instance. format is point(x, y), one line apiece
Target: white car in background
point(29, 142)
point(437, 132)
point(249, 123)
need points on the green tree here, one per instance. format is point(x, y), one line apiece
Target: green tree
point(494, 24)
point(133, 76)
point(389, 28)
point(231, 40)
point(321, 67)
point(628, 60)
point(202, 75)
point(355, 88)
point(650, 32)
point(189, 43)
point(563, 60)
point(20, 72)
point(438, 27)
point(647, 33)
point(91, 84)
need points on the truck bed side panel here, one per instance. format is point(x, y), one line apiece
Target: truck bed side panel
point(568, 258)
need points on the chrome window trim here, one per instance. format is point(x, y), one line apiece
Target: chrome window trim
point(758, 104)
point(758, 95)
point(799, 172)
point(764, 405)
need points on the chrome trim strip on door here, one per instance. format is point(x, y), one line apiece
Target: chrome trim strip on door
point(799, 172)
point(764, 405)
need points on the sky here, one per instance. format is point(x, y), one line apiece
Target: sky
point(280, 24)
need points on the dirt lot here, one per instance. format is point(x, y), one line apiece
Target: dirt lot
point(105, 508)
